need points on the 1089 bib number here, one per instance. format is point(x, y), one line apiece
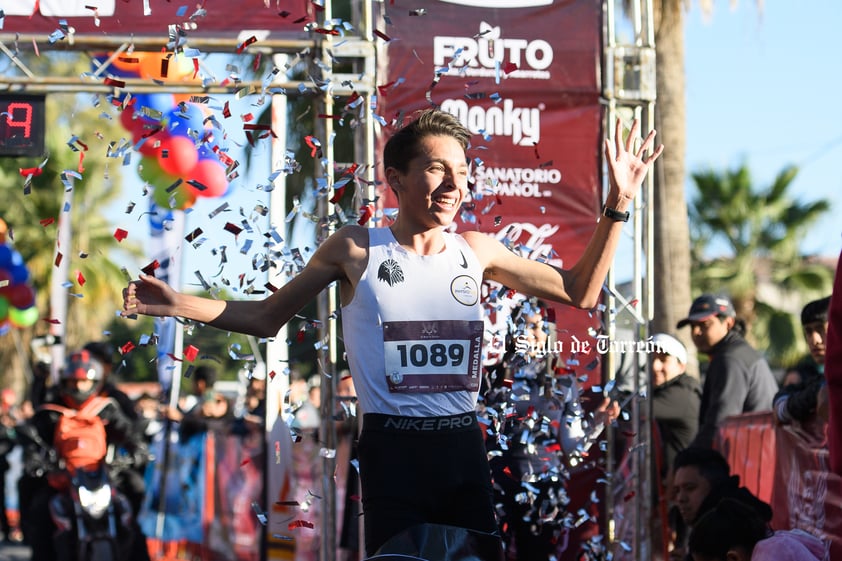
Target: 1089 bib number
point(437, 355)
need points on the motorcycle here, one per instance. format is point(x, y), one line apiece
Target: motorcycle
point(93, 520)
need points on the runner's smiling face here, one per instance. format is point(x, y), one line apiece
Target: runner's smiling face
point(435, 183)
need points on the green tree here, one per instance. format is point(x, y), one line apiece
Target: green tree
point(81, 137)
point(745, 238)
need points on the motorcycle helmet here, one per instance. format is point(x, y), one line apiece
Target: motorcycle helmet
point(80, 378)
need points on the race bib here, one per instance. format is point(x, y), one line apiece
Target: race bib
point(433, 356)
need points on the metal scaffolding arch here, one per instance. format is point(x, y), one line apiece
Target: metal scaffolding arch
point(628, 78)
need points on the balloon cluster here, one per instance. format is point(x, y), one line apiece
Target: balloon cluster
point(17, 297)
point(179, 159)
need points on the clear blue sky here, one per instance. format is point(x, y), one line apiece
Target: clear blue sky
point(762, 89)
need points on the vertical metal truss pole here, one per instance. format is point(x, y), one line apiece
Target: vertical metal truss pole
point(277, 348)
point(326, 304)
point(629, 89)
point(647, 214)
point(609, 366)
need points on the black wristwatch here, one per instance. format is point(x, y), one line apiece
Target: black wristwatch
point(615, 214)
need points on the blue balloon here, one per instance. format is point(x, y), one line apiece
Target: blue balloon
point(5, 256)
point(161, 103)
point(184, 117)
point(206, 152)
point(157, 217)
point(17, 259)
point(20, 274)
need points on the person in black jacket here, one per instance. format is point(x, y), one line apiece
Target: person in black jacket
point(799, 397)
point(703, 479)
point(80, 382)
point(738, 379)
point(676, 397)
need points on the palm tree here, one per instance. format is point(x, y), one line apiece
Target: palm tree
point(93, 303)
point(671, 252)
point(756, 234)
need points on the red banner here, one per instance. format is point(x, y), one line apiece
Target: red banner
point(215, 18)
point(788, 467)
point(523, 76)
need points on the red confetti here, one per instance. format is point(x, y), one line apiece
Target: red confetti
point(354, 97)
point(80, 278)
point(509, 67)
point(223, 157)
point(242, 46)
point(190, 353)
point(46, 221)
point(629, 496)
point(150, 269)
point(366, 212)
point(233, 228)
point(226, 110)
point(120, 234)
point(299, 524)
point(245, 462)
point(314, 145)
point(112, 82)
point(59, 257)
point(53, 321)
point(382, 35)
point(34, 172)
point(272, 375)
point(337, 194)
point(127, 348)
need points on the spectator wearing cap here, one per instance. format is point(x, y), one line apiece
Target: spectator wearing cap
point(798, 400)
point(676, 397)
point(738, 379)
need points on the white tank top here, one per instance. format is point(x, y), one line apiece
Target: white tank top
point(413, 330)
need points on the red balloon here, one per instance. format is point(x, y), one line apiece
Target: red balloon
point(127, 119)
point(21, 296)
point(211, 175)
point(152, 144)
point(178, 155)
